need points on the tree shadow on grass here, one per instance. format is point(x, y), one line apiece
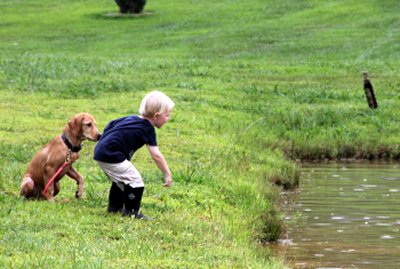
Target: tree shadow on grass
point(119, 16)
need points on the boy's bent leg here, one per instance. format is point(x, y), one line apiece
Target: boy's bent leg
point(132, 201)
point(115, 199)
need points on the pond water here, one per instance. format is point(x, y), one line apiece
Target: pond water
point(344, 216)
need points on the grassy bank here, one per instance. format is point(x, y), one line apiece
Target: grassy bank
point(257, 85)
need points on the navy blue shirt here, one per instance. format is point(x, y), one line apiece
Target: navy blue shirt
point(122, 137)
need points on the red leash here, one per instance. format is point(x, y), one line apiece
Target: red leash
point(67, 160)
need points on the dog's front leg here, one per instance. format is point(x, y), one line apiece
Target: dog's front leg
point(72, 173)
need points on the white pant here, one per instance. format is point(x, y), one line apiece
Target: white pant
point(122, 174)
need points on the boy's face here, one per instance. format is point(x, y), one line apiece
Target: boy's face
point(160, 119)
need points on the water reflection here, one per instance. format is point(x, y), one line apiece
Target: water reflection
point(346, 216)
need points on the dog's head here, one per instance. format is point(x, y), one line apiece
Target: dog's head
point(83, 126)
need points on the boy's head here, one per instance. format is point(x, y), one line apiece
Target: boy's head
point(155, 102)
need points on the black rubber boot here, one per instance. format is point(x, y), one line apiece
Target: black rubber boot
point(132, 200)
point(115, 199)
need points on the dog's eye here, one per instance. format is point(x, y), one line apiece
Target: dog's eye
point(89, 125)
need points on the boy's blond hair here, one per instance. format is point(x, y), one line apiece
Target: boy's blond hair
point(155, 102)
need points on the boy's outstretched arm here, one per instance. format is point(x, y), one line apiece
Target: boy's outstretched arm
point(161, 164)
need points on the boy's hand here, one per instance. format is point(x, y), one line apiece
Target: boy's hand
point(168, 182)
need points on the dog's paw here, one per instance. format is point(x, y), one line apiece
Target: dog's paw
point(78, 194)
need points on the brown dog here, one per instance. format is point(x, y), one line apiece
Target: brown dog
point(63, 148)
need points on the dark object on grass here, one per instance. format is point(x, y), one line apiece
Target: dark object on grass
point(131, 6)
point(369, 92)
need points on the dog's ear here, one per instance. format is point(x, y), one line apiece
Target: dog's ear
point(75, 125)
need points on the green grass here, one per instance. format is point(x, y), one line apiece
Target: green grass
point(257, 85)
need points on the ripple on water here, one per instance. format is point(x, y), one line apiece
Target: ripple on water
point(383, 224)
point(369, 186)
point(285, 241)
point(387, 237)
point(352, 218)
point(358, 189)
point(321, 224)
point(391, 178)
point(348, 250)
point(329, 268)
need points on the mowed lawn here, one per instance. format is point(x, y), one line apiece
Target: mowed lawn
point(259, 86)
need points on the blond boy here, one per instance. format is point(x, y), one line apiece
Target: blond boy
point(120, 139)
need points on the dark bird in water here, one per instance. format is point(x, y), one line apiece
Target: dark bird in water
point(369, 92)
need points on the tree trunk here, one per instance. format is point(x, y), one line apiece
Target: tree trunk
point(131, 6)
